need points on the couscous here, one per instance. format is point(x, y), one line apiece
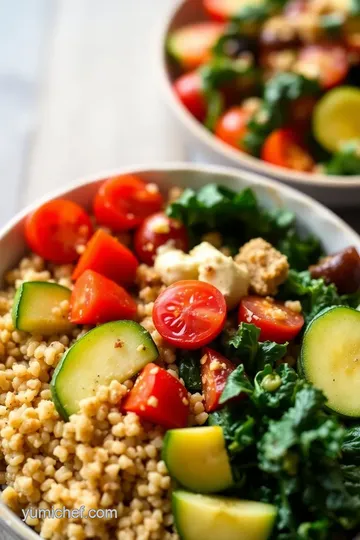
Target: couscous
point(147, 361)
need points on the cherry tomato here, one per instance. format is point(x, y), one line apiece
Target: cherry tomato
point(214, 374)
point(56, 229)
point(232, 126)
point(223, 10)
point(159, 398)
point(189, 314)
point(123, 202)
point(276, 322)
point(105, 255)
point(155, 231)
point(97, 299)
point(328, 63)
point(284, 149)
point(188, 89)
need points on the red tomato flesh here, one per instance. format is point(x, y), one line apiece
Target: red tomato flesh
point(214, 374)
point(123, 202)
point(154, 232)
point(276, 322)
point(284, 149)
point(159, 398)
point(223, 10)
point(189, 314)
point(188, 89)
point(97, 299)
point(232, 127)
point(105, 255)
point(56, 229)
point(328, 63)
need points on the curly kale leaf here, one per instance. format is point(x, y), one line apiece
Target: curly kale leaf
point(346, 161)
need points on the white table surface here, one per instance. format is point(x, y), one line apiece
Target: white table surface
point(78, 94)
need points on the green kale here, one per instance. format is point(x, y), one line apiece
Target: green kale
point(237, 216)
point(237, 385)
point(245, 347)
point(275, 389)
point(351, 445)
point(346, 161)
point(301, 253)
point(189, 371)
point(279, 92)
point(314, 294)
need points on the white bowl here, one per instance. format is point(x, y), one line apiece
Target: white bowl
point(311, 216)
point(202, 146)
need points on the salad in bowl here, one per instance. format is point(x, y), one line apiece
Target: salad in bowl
point(185, 357)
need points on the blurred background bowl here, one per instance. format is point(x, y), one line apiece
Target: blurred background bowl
point(202, 146)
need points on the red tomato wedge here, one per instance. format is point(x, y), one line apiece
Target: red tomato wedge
point(188, 89)
point(123, 202)
point(154, 232)
point(56, 229)
point(328, 63)
point(214, 374)
point(276, 322)
point(223, 10)
point(232, 127)
point(97, 299)
point(105, 255)
point(284, 149)
point(189, 314)
point(159, 398)
point(191, 45)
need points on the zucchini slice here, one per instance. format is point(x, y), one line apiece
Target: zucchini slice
point(336, 118)
point(204, 517)
point(33, 308)
point(116, 350)
point(330, 358)
point(197, 458)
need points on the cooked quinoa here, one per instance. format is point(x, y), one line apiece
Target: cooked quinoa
point(101, 458)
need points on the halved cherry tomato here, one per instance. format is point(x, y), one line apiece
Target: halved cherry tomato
point(155, 231)
point(232, 126)
point(123, 202)
point(223, 10)
point(108, 257)
point(328, 63)
point(189, 314)
point(56, 229)
point(276, 322)
point(214, 374)
point(284, 149)
point(188, 89)
point(159, 398)
point(97, 299)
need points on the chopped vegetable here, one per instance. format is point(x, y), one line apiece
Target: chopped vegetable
point(276, 321)
point(232, 126)
point(38, 308)
point(284, 148)
point(123, 202)
point(155, 231)
point(346, 161)
point(189, 314)
point(333, 365)
point(189, 370)
point(329, 64)
point(105, 255)
point(114, 351)
point(189, 90)
point(197, 458)
point(158, 397)
point(57, 230)
point(201, 517)
point(215, 370)
point(96, 299)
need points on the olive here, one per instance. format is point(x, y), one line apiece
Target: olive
point(342, 269)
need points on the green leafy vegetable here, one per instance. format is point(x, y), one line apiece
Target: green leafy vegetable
point(346, 161)
point(314, 294)
point(351, 445)
point(237, 384)
point(332, 23)
point(301, 253)
point(279, 92)
point(281, 397)
point(254, 354)
point(189, 371)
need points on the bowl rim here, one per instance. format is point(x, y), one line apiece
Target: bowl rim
point(219, 147)
point(7, 516)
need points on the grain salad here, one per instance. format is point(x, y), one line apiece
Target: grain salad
point(147, 357)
